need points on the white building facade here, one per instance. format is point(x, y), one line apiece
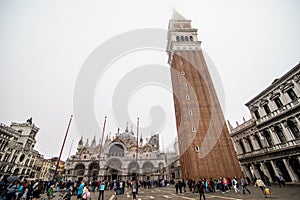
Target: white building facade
point(17, 154)
point(120, 158)
point(269, 143)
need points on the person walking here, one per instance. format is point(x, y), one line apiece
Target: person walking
point(134, 189)
point(183, 185)
point(11, 190)
point(80, 190)
point(200, 187)
point(235, 185)
point(176, 187)
point(86, 193)
point(101, 190)
point(259, 183)
point(180, 186)
point(244, 185)
point(281, 180)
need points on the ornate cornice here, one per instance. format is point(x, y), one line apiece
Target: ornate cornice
point(295, 70)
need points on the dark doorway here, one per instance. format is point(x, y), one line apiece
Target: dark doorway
point(249, 170)
point(271, 171)
point(133, 176)
point(114, 176)
point(294, 163)
point(283, 170)
point(261, 173)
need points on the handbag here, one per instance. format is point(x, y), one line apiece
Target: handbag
point(267, 191)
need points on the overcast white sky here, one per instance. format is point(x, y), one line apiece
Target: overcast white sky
point(43, 45)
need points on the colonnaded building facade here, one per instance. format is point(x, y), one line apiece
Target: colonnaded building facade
point(17, 154)
point(119, 159)
point(269, 143)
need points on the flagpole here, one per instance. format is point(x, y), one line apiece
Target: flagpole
point(61, 150)
point(137, 140)
point(103, 130)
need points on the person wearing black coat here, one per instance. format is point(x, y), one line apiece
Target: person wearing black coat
point(200, 188)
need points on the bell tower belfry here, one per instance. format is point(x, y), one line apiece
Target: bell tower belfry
point(205, 146)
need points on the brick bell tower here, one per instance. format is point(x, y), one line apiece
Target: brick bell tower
point(205, 146)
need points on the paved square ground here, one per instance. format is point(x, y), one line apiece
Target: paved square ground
point(290, 192)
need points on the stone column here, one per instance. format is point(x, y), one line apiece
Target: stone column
point(246, 145)
point(247, 173)
point(276, 169)
point(1, 145)
point(297, 121)
point(265, 170)
point(297, 124)
point(292, 174)
point(262, 139)
point(238, 148)
point(287, 133)
point(274, 136)
point(256, 173)
point(254, 142)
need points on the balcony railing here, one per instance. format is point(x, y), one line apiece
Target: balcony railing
point(266, 150)
point(279, 111)
point(241, 126)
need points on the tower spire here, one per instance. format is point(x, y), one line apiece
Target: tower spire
point(177, 16)
point(126, 130)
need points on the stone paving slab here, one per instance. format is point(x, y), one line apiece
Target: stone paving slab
point(290, 192)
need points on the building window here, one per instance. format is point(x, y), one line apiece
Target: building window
point(278, 102)
point(182, 73)
point(267, 109)
point(182, 38)
point(191, 38)
point(256, 113)
point(180, 62)
point(294, 129)
point(258, 141)
point(292, 94)
point(193, 129)
point(268, 138)
point(197, 148)
point(280, 134)
point(187, 97)
point(242, 146)
point(177, 38)
point(186, 38)
point(190, 112)
point(249, 142)
point(185, 84)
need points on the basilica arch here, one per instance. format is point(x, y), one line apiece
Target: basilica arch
point(133, 169)
point(117, 150)
point(113, 168)
point(79, 170)
point(148, 170)
point(93, 171)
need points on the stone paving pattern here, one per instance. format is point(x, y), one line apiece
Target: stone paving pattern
point(290, 192)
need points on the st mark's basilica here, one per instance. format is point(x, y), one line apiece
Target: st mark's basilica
point(119, 158)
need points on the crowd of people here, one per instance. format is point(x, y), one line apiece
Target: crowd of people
point(224, 185)
point(21, 190)
point(31, 190)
